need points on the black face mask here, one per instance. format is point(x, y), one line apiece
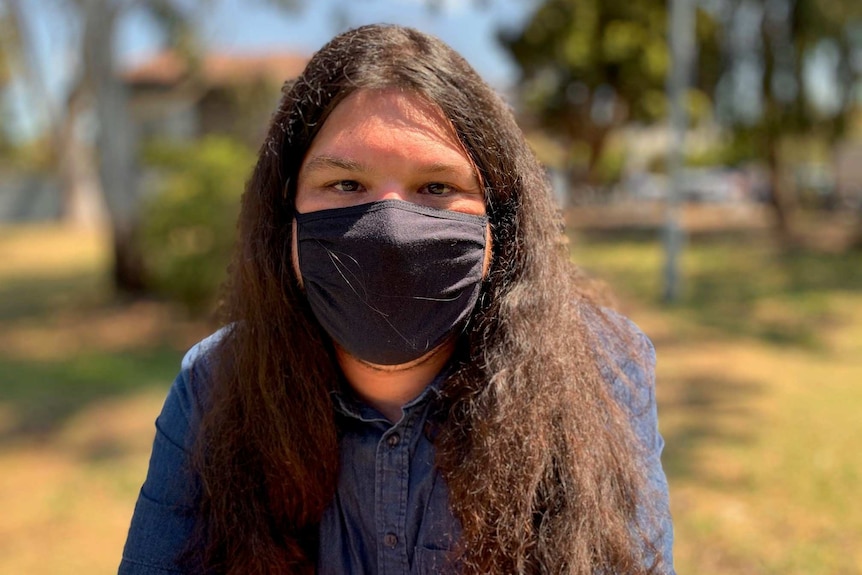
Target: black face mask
point(390, 280)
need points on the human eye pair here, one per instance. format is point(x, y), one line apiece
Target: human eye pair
point(433, 188)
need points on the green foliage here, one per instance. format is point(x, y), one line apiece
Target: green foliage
point(570, 51)
point(726, 152)
point(189, 225)
point(7, 33)
point(245, 109)
point(589, 66)
point(797, 48)
point(611, 164)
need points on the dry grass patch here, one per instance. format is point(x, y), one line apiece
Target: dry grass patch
point(67, 505)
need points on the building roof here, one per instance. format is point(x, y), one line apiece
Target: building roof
point(217, 69)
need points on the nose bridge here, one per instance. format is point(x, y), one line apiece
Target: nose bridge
point(392, 190)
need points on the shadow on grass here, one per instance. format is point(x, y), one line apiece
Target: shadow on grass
point(739, 284)
point(704, 410)
point(34, 298)
point(778, 297)
point(39, 397)
point(114, 348)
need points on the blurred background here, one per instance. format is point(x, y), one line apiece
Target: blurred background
point(706, 155)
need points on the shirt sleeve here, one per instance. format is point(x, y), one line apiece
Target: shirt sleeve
point(660, 525)
point(628, 360)
point(163, 519)
point(637, 392)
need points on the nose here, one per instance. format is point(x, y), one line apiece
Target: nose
point(392, 191)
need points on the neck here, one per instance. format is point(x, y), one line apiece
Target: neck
point(388, 387)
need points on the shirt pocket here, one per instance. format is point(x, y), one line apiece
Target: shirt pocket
point(427, 561)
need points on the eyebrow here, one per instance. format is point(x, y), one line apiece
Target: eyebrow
point(438, 168)
point(323, 162)
point(326, 162)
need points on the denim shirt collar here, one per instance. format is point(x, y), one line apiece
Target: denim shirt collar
point(346, 402)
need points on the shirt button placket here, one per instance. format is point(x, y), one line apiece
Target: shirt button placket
point(393, 468)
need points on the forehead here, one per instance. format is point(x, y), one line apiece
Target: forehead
point(391, 119)
point(390, 104)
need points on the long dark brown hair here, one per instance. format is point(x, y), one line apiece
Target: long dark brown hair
point(537, 452)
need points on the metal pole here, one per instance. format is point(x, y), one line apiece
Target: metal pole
point(682, 47)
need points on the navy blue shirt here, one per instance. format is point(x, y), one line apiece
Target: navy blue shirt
point(390, 514)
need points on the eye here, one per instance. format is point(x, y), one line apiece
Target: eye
point(347, 186)
point(438, 189)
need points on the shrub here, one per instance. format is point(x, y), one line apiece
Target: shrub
point(189, 223)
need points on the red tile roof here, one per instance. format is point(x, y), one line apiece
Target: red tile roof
point(167, 68)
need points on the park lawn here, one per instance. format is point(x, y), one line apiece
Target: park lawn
point(82, 378)
point(758, 373)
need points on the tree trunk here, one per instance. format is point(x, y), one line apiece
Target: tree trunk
point(598, 138)
point(74, 164)
point(83, 205)
point(115, 145)
point(775, 115)
point(128, 270)
point(585, 180)
point(856, 235)
point(779, 198)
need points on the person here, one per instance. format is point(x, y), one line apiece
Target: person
point(412, 376)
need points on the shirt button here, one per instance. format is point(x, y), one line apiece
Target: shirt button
point(393, 440)
point(390, 539)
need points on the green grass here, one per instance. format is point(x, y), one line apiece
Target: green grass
point(43, 395)
point(740, 286)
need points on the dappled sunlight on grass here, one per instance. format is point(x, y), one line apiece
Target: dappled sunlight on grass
point(763, 467)
point(64, 341)
point(67, 504)
point(108, 327)
point(50, 251)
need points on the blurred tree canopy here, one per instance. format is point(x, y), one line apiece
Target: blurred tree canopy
point(96, 86)
point(766, 70)
point(589, 66)
point(791, 69)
